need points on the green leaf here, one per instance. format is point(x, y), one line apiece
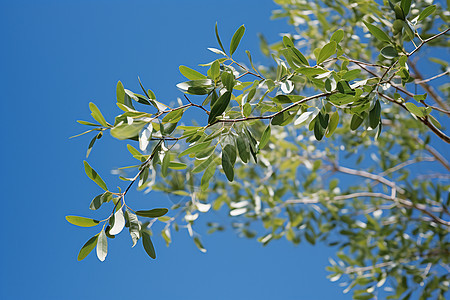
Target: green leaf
point(351, 75)
point(215, 69)
point(220, 106)
point(288, 42)
point(97, 115)
point(174, 116)
point(426, 12)
point(218, 39)
point(152, 213)
point(165, 164)
point(99, 200)
point(389, 52)
point(327, 50)
point(209, 172)
point(199, 244)
point(236, 39)
point(195, 148)
point(88, 247)
point(197, 87)
point(355, 122)
point(243, 147)
point(94, 176)
point(102, 246)
point(227, 166)
point(122, 97)
point(203, 165)
point(177, 165)
point(247, 109)
point(414, 109)
point(190, 73)
point(134, 227)
point(265, 137)
point(435, 122)
point(375, 115)
point(319, 131)
point(377, 32)
point(87, 123)
point(127, 131)
point(148, 245)
point(228, 80)
point(337, 36)
point(406, 5)
point(332, 125)
point(82, 221)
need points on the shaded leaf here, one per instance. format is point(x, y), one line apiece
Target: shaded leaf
point(152, 213)
point(148, 245)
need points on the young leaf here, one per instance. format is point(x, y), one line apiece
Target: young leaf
point(152, 213)
point(88, 247)
point(228, 80)
point(148, 245)
point(82, 221)
point(97, 115)
point(236, 39)
point(190, 73)
point(174, 116)
point(219, 107)
point(102, 246)
point(406, 5)
point(377, 32)
point(215, 69)
point(218, 39)
point(94, 176)
point(327, 50)
point(265, 137)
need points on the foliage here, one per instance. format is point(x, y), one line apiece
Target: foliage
point(340, 92)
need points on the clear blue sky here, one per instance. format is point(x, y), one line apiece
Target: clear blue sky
point(56, 57)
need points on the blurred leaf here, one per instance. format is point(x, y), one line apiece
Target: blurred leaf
point(327, 51)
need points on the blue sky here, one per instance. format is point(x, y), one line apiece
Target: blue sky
point(56, 57)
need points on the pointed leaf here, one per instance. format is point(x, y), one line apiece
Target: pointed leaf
point(219, 107)
point(94, 176)
point(152, 213)
point(426, 12)
point(332, 125)
point(218, 39)
point(377, 32)
point(148, 245)
point(327, 50)
point(97, 115)
point(265, 137)
point(236, 39)
point(88, 247)
point(82, 221)
point(134, 227)
point(190, 73)
point(375, 115)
